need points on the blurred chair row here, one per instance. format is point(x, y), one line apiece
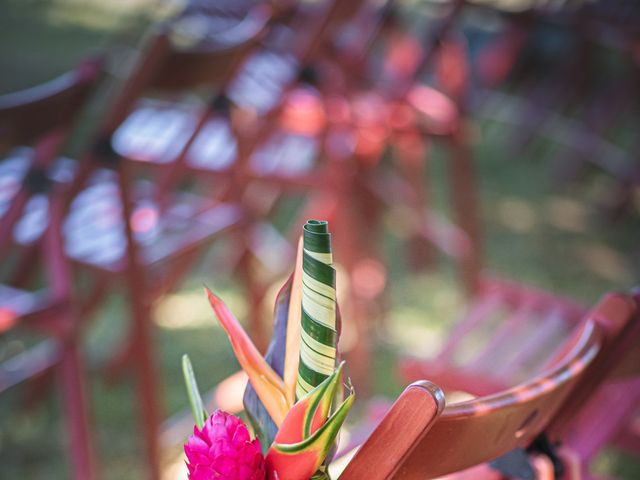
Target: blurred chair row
point(206, 136)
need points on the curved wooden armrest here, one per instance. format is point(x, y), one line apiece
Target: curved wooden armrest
point(408, 420)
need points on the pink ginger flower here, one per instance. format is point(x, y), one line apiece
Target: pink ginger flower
point(223, 449)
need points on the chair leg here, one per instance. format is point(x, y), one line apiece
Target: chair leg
point(73, 399)
point(70, 362)
point(464, 199)
point(149, 403)
point(118, 365)
point(24, 270)
point(142, 354)
point(412, 163)
point(138, 353)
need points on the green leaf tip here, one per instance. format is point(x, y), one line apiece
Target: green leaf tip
point(200, 414)
point(326, 390)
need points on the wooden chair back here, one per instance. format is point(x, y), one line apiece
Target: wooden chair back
point(170, 68)
point(27, 115)
point(435, 441)
point(213, 61)
point(167, 67)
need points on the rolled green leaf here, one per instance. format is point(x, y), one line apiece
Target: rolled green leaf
point(318, 322)
point(200, 415)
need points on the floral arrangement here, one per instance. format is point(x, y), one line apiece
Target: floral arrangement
point(295, 399)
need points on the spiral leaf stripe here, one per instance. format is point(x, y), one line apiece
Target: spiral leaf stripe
point(318, 320)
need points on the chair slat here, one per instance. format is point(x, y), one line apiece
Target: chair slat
point(476, 316)
point(28, 114)
point(486, 359)
point(28, 364)
point(539, 343)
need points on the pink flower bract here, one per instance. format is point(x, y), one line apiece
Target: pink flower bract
point(223, 449)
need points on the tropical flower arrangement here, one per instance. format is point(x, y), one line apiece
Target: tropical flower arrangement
point(296, 399)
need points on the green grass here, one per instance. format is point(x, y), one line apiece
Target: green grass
point(535, 233)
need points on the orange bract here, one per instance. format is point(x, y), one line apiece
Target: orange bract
point(267, 383)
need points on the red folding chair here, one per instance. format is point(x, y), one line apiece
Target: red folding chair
point(514, 429)
point(42, 117)
point(509, 331)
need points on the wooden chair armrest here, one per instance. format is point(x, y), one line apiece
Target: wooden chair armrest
point(408, 420)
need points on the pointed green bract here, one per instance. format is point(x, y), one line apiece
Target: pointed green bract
point(310, 412)
point(323, 438)
point(321, 398)
point(200, 415)
point(318, 332)
point(306, 436)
